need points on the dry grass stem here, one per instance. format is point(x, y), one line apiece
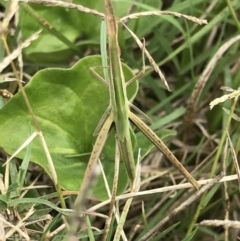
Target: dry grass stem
point(232, 95)
point(15, 228)
point(111, 203)
point(97, 149)
point(236, 67)
point(79, 204)
point(8, 77)
point(194, 197)
point(160, 190)
point(95, 214)
point(2, 231)
point(36, 187)
point(203, 16)
point(32, 186)
point(150, 58)
point(2, 186)
point(128, 203)
point(46, 217)
point(21, 224)
point(187, 52)
point(11, 10)
point(56, 231)
point(193, 100)
point(217, 223)
point(204, 130)
point(6, 61)
point(49, 159)
point(33, 135)
point(35, 122)
point(159, 13)
point(234, 157)
point(62, 4)
point(225, 186)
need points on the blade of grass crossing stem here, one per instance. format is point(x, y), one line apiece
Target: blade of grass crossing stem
point(118, 95)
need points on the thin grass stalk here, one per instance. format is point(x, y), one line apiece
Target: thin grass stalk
point(106, 231)
point(122, 219)
point(214, 166)
point(229, 4)
point(150, 234)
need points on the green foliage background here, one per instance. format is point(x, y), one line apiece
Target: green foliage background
point(66, 97)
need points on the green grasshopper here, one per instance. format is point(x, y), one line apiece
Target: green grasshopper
point(120, 114)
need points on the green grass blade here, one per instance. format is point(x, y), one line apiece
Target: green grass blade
point(24, 166)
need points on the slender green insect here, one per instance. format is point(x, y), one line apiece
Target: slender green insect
point(120, 112)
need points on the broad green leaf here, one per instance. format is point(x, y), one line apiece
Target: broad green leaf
point(68, 104)
point(21, 177)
